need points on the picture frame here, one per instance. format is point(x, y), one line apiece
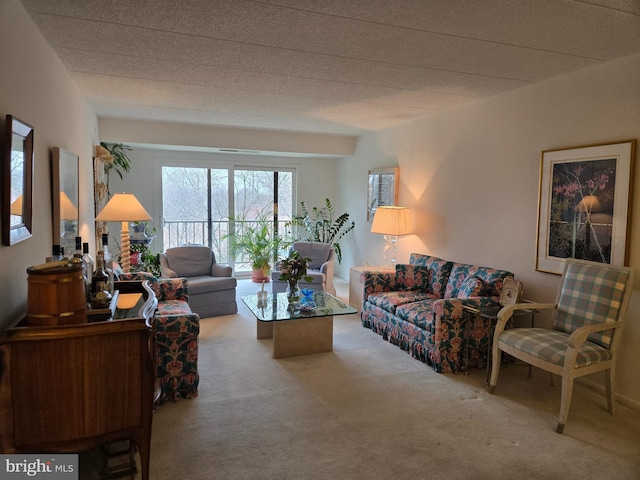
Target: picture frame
point(17, 181)
point(382, 189)
point(584, 205)
point(65, 194)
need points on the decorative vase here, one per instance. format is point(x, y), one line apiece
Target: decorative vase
point(293, 291)
point(307, 304)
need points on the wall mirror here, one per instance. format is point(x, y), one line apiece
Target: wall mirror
point(383, 189)
point(64, 198)
point(17, 181)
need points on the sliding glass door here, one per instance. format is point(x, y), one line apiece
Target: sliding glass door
point(199, 205)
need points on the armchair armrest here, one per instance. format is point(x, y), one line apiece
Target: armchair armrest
point(580, 334)
point(506, 313)
point(164, 268)
point(218, 270)
point(376, 282)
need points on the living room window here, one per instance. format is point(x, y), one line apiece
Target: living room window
point(198, 202)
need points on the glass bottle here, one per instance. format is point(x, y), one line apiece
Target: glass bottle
point(108, 261)
point(88, 262)
point(55, 253)
point(78, 259)
point(100, 278)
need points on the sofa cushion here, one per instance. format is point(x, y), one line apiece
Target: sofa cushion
point(419, 313)
point(439, 271)
point(206, 284)
point(190, 261)
point(492, 278)
point(412, 277)
point(389, 301)
point(471, 287)
point(173, 307)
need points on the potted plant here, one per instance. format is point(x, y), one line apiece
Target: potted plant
point(321, 226)
point(255, 241)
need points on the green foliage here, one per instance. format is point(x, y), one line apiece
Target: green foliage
point(121, 162)
point(255, 239)
point(149, 261)
point(294, 267)
point(321, 226)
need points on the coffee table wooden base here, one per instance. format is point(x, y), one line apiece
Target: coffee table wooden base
point(298, 337)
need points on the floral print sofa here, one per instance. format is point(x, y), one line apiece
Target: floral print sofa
point(419, 308)
point(177, 329)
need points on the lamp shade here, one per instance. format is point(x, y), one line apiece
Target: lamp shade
point(123, 207)
point(390, 220)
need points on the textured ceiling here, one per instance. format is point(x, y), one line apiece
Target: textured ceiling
point(333, 66)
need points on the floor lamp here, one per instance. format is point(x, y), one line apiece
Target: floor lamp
point(125, 208)
point(391, 222)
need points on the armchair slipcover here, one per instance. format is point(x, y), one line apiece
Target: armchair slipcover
point(177, 329)
point(212, 289)
point(587, 325)
point(321, 267)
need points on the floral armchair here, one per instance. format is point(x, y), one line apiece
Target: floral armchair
point(177, 330)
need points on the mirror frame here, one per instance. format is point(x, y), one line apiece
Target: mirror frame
point(17, 233)
point(377, 195)
point(64, 178)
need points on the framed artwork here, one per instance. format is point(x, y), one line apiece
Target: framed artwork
point(584, 205)
point(383, 189)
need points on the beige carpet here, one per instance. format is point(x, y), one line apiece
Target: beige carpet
point(370, 411)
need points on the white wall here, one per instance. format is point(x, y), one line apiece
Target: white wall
point(36, 89)
point(471, 178)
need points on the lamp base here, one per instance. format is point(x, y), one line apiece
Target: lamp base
point(125, 248)
point(390, 251)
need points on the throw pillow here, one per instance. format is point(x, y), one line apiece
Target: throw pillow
point(412, 277)
point(471, 287)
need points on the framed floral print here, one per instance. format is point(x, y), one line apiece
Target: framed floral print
point(584, 205)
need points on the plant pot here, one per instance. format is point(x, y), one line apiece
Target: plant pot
point(259, 276)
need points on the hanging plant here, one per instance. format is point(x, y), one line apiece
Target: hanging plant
point(120, 161)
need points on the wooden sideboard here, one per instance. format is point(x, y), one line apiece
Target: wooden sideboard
point(69, 388)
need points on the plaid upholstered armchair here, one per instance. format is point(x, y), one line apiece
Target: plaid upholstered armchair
point(587, 325)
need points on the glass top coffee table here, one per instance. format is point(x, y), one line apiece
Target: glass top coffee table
point(296, 332)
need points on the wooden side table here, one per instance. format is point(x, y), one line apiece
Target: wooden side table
point(355, 285)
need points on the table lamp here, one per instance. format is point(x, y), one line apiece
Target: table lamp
point(125, 208)
point(391, 222)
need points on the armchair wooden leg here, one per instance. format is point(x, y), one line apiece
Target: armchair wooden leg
point(609, 381)
point(565, 402)
point(495, 368)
